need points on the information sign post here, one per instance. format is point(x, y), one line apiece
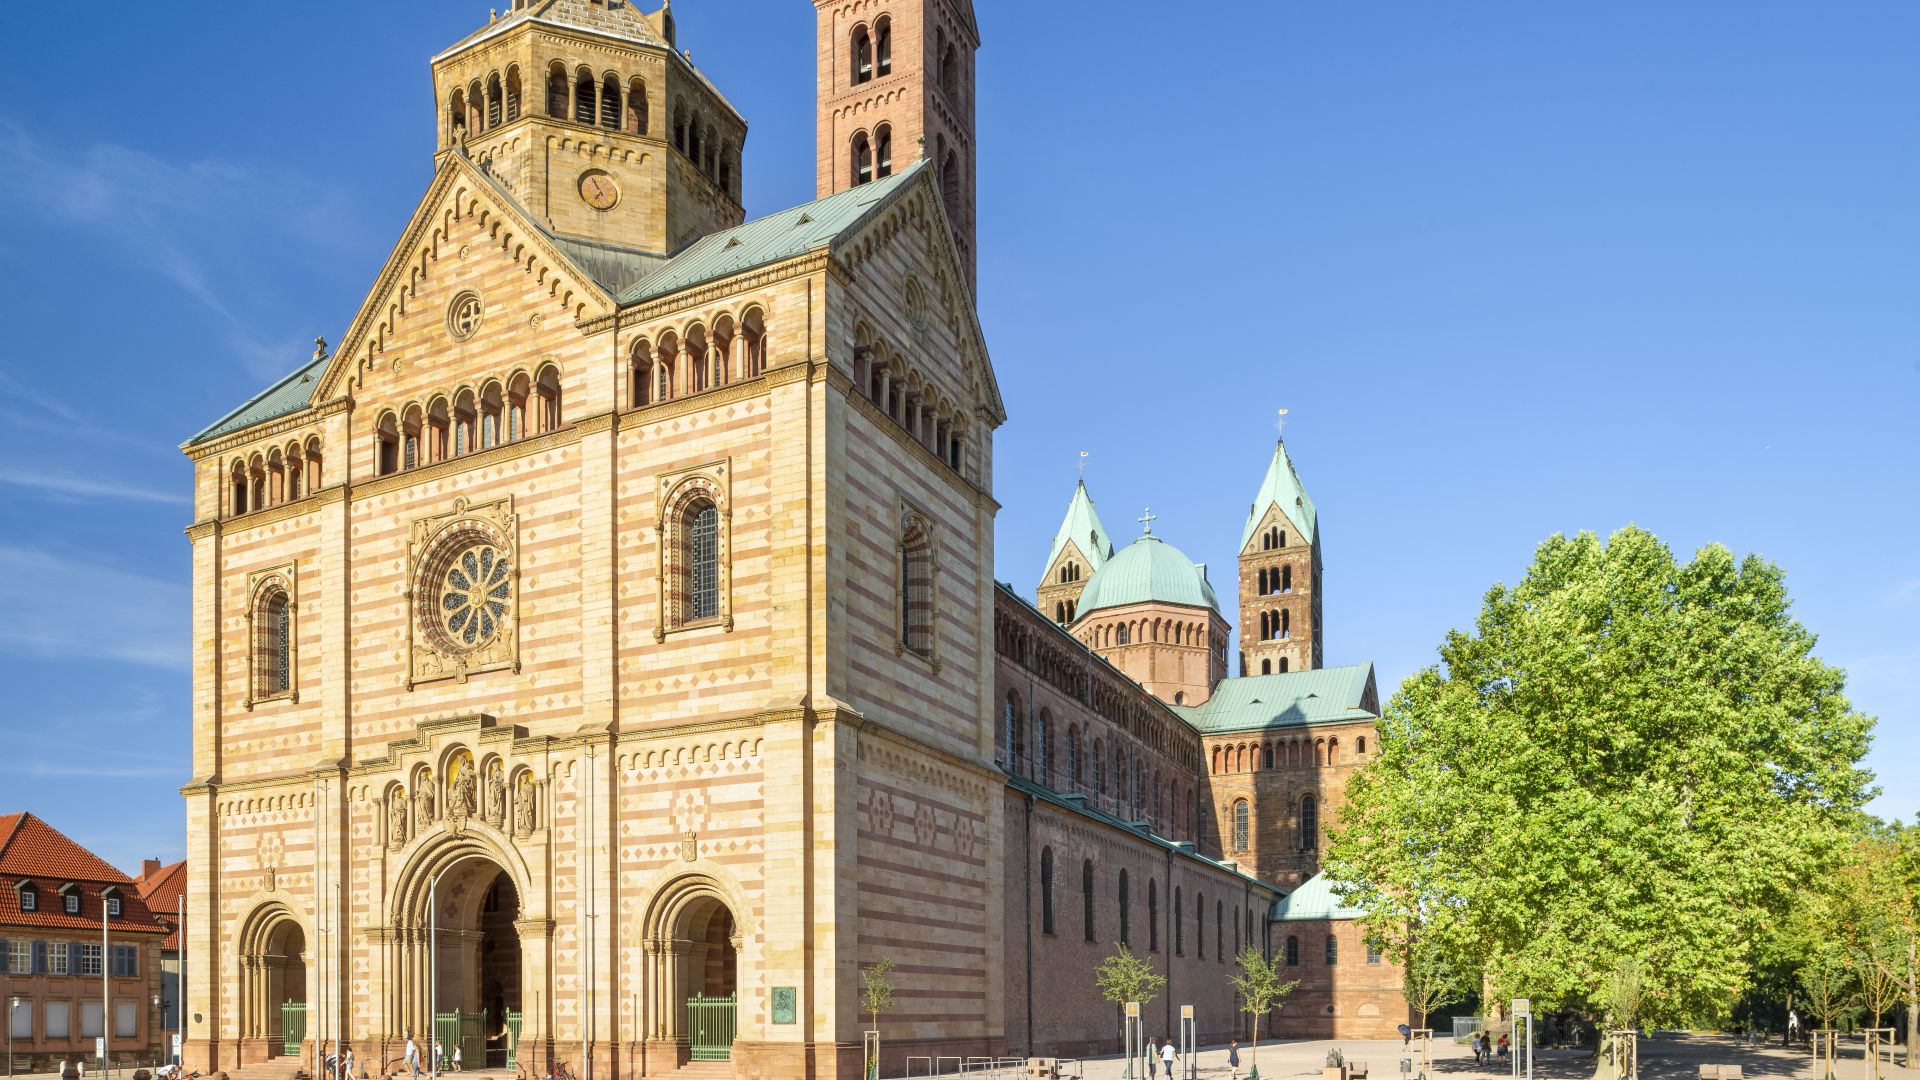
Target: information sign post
point(1522, 1010)
point(1131, 1042)
point(1189, 1068)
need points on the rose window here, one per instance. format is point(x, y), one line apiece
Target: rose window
point(463, 316)
point(473, 597)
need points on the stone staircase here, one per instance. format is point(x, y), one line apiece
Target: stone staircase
point(280, 1068)
point(705, 1070)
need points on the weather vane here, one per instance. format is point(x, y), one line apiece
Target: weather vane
point(1280, 424)
point(1083, 466)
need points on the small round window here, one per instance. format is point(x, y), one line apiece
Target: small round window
point(463, 316)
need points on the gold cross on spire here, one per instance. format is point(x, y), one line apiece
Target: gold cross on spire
point(1146, 520)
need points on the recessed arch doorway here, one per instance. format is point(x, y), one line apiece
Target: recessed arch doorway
point(273, 976)
point(693, 940)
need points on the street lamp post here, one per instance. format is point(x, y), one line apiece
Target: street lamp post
point(157, 1016)
point(13, 1006)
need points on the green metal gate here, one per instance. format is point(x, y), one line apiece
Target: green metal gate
point(513, 1039)
point(466, 1030)
point(293, 1027)
point(710, 1027)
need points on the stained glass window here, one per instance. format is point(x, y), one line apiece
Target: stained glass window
point(703, 564)
point(474, 599)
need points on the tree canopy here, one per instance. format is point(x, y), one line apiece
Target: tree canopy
point(1628, 757)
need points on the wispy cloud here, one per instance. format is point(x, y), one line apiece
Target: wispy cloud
point(67, 486)
point(64, 609)
point(161, 215)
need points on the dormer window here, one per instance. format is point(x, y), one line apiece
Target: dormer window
point(70, 903)
point(29, 897)
point(113, 906)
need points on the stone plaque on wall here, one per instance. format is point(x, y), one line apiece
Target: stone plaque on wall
point(783, 1000)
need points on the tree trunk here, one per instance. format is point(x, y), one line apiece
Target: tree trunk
point(1913, 1002)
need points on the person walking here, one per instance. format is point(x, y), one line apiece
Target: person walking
point(1504, 1049)
point(350, 1065)
point(1406, 1036)
point(1167, 1054)
point(413, 1056)
point(1153, 1054)
point(1474, 1042)
point(1233, 1056)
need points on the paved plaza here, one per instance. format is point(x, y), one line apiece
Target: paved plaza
point(1663, 1057)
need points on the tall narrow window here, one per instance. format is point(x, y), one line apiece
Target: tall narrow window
point(585, 107)
point(1220, 931)
point(1200, 925)
point(703, 563)
point(273, 645)
point(1043, 746)
point(1153, 915)
point(1179, 926)
point(1293, 951)
point(1309, 823)
point(883, 151)
point(1073, 758)
point(610, 103)
point(916, 589)
point(1240, 816)
point(883, 46)
point(1086, 897)
point(1333, 950)
point(862, 56)
point(1012, 732)
point(1046, 890)
point(1126, 902)
point(862, 159)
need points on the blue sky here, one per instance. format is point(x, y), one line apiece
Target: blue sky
point(1515, 268)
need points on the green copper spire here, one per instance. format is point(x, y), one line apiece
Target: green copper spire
point(1282, 487)
point(1082, 526)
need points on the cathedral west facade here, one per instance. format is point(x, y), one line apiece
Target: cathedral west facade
point(597, 654)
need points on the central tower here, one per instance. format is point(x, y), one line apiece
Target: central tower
point(588, 115)
point(896, 81)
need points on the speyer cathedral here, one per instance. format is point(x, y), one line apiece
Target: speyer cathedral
point(597, 653)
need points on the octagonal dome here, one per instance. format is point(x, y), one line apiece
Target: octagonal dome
point(1149, 570)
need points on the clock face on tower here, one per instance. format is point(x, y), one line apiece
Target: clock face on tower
point(598, 190)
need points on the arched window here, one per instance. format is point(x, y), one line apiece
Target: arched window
point(862, 159)
point(1333, 751)
point(1153, 915)
point(557, 92)
point(585, 101)
point(1073, 758)
point(1293, 951)
point(1240, 823)
point(1086, 897)
point(1280, 538)
point(916, 588)
point(753, 329)
point(496, 101)
point(1046, 890)
point(1011, 735)
point(1286, 579)
point(610, 102)
point(1373, 953)
point(1125, 635)
point(1125, 903)
point(698, 368)
point(950, 185)
point(386, 454)
point(1120, 778)
point(237, 497)
point(1220, 931)
point(1060, 613)
point(1266, 755)
point(1286, 625)
point(1179, 926)
point(1333, 950)
point(883, 150)
point(411, 433)
point(1043, 746)
point(513, 94)
point(1099, 761)
point(517, 393)
point(883, 46)
point(1283, 665)
point(637, 107)
point(680, 127)
point(273, 644)
point(464, 417)
point(862, 56)
point(1266, 667)
point(640, 374)
point(1200, 925)
point(548, 388)
point(1309, 823)
point(436, 433)
point(702, 561)
point(492, 404)
point(296, 473)
point(1360, 746)
point(315, 461)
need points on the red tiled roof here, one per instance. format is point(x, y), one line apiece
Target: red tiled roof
point(161, 891)
point(34, 853)
point(33, 847)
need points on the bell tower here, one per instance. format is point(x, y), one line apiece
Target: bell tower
point(590, 117)
point(896, 84)
point(1280, 575)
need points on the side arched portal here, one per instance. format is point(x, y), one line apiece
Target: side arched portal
point(693, 946)
point(273, 980)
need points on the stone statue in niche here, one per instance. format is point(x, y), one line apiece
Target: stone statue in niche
point(497, 796)
point(397, 821)
point(423, 803)
point(460, 797)
point(523, 807)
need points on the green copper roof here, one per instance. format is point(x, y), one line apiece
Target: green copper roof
point(284, 398)
point(1314, 900)
point(770, 239)
point(1297, 698)
point(1082, 526)
point(1282, 485)
point(1149, 570)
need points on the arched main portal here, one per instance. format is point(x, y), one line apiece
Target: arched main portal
point(476, 997)
point(693, 944)
point(273, 976)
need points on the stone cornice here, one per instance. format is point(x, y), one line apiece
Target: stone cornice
point(265, 429)
point(812, 262)
point(900, 436)
point(381, 485)
point(867, 726)
point(693, 403)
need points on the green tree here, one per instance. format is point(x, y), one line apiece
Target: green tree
point(1627, 756)
point(876, 989)
point(1124, 977)
point(1261, 990)
point(1829, 988)
point(1431, 983)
